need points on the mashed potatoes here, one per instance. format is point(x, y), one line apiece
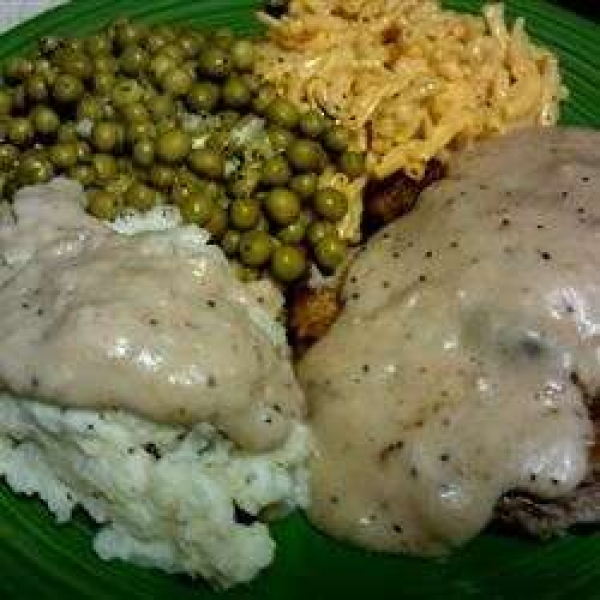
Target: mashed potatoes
point(181, 496)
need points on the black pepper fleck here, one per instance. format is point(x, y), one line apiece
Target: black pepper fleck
point(366, 368)
point(505, 222)
point(532, 477)
point(454, 244)
point(445, 457)
point(385, 284)
point(35, 382)
point(153, 322)
point(545, 255)
point(422, 278)
point(211, 381)
point(25, 305)
point(40, 312)
point(334, 499)
point(212, 303)
point(428, 254)
point(396, 254)
point(414, 473)
point(397, 528)
point(554, 481)
point(243, 517)
point(151, 449)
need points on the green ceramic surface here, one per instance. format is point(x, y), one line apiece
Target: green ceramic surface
point(40, 559)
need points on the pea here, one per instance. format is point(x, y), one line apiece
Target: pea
point(103, 83)
point(220, 141)
point(141, 197)
point(103, 205)
point(191, 44)
point(67, 89)
point(105, 64)
point(294, 233)
point(252, 81)
point(173, 146)
point(288, 263)
point(91, 108)
point(336, 139)
point(133, 60)
point(174, 51)
point(105, 166)
point(231, 242)
point(282, 206)
point(127, 33)
point(229, 118)
point(305, 185)
point(160, 64)
point(242, 55)
point(217, 225)
point(142, 130)
point(34, 168)
point(280, 139)
point(44, 120)
point(36, 88)
point(215, 63)
point(136, 112)
point(161, 106)
point(244, 213)
point(126, 91)
point(98, 45)
point(275, 171)
point(8, 157)
point(207, 163)
point(305, 155)
point(247, 274)
point(197, 208)
point(331, 204)
point(312, 124)
point(161, 176)
point(20, 131)
point(317, 230)
point(203, 96)
point(255, 248)
point(18, 69)
point(352, 163)
point(329, 251)
point(5, 101)
point(223, 38)
point(67, 132)
point(177, 82)
point(76, 64)
point(236, 93)
point(82, 173)
point(283, 113)
point(245, 184)
point(143, 153)
point(84, 151)
point(105, 136)
point(265, 95)
point(63, 155)
point(19, 99)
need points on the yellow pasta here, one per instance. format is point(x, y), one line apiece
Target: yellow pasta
point(411, 80)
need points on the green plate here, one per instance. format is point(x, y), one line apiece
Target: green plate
point(39, 559)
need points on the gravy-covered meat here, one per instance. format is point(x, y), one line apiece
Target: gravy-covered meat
point(154, 323)
point(455, 372)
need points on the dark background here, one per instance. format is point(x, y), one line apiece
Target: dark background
point(586, 8)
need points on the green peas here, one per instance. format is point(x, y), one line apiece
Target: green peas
point(162, 177)
point(330, 204)
point(105, 64)
point(247, 274)
point(242, 55)
point(133, 60)
point(143, 153)
point(140, 130)
point(304, 185)
point(160, 64)
point(231, 242)
point(18, 69)
point(197, 208)
point(190, 44)
point(90, 107)
point(288, 263)
point(76, 64)
point(44, 120)
point(312, 124)
point(207, 163)
point(305, 155)
point(67, 89)
point(317, 230)
point(141, 197)
point(8, 156)
point(127, 33)
point(135, 112)
point(352, 163)
point(20, 131)
point(215, 63)
point(36, 88)
point(336, 139)
point(280, 139)
point(329, 251)
point(34, 168)
point(265, 95)
point(217, 225)
point(174, 51)
point(5, 101)
point(84, 151)
point(283, 113)
point(103, 205)
point(177, 82)
point(161, 106)
point(282, 206)
point(67, 132)
point(255, 248)
point(173, 146)
point(98, 45)
point(63, 155)
point(105, 166)
point(294, 233)
point(275, 171)
point(105, 136)
point(203, 96)
point(245, 183)
point(103, 83)
point(244, 213)
point(82, 173)
point(126, 91)
point(236, 93)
